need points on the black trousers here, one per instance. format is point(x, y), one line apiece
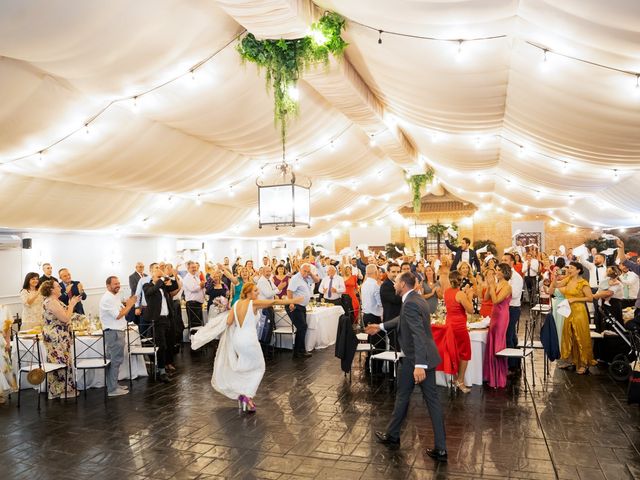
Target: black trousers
point(161, 333)
point(597, 317)
point(405, 386)
point(299, 319)
point(176, 327)
point(531, 284)
point(194, 314)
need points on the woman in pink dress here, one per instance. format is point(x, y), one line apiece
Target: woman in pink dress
point(495, 368)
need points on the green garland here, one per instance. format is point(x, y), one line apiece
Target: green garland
point(437, 229)
point(284, 61)
point(417, 182)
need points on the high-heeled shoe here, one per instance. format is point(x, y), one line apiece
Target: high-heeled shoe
point(582, 371)
point(462, 387)
point(242, 403)
point(251, 407)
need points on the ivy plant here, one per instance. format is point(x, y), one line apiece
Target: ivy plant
point(417, 183)
point(285, 60)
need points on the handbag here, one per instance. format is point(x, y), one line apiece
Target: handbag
point(36, 375)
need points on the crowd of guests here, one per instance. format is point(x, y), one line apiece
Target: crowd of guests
point(464, 281)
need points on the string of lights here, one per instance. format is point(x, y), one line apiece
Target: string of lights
point(131, 98)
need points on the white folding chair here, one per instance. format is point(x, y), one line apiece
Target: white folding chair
point(288, 329)
point(30, 358)
point(142, 346)
point(390, 356)
point(87, 356)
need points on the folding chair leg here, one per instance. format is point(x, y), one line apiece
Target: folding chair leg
point(19, 386)
point(84, 381)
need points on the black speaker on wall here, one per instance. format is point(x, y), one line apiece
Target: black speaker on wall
point(26, 243)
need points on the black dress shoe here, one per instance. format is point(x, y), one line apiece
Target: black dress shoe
point(164, 378)
point(301, 355)
point(388, 440)
point(437, 455)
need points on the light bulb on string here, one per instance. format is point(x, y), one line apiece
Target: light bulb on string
point(386, 197)
point(544, 65)
point(539, 194)
point(231, 192)
point(40, 157)
point(332, 145)
point(318, 36)
point(193, 74)
point(636, 90)
point(565, 167)
point(460, 52)
point(509, 184)
point(572, 200)
point(134, 102)
point(435, 136)
point(379, 37)
point(616, 176)
point(198, 200)
point(522, 151)
point(372, 140)
point(86, 128)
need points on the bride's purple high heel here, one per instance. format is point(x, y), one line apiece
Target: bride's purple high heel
point(242, 403)
point(251, 407)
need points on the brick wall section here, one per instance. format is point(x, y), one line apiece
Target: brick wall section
point(491, 225)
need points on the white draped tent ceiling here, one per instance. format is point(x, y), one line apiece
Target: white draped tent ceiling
point(497, 123)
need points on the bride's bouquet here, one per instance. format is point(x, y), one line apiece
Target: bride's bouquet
point(220, 305)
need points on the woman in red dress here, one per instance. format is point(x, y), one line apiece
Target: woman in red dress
point(517, 266)
point(458, 304)
point(351, 286)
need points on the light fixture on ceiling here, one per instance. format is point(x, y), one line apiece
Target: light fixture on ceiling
point(372, 140)
point(286, 202)
point(460, 52)
point(198, 200)
point(616, 176)
point(544, 64)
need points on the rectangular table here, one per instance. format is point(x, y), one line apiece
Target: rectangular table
point(473, 375)
point(95, 378)
point(322, 327)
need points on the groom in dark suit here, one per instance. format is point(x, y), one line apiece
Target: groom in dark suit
point(418, 367)
point(463, 253)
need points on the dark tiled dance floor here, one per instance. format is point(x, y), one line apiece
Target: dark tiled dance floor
point(311, 423)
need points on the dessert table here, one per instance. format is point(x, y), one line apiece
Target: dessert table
point(322, 326)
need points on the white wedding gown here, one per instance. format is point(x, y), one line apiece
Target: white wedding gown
point(239, 364)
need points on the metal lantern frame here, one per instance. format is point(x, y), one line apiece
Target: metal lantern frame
point(286, 170)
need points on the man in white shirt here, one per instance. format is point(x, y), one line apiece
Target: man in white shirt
point(630, 285)
point(114, 324)
point(193, 294)
point(517, 284)
point(301, 285)
point(371, 306)
point(332, 286)
point(597, 273)
point(530, 269)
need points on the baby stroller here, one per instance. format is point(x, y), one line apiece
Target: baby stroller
point(619, 367)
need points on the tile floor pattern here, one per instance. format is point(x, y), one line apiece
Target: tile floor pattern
point(311, 423)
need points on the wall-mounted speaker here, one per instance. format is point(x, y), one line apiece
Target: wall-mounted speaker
point(26, 243)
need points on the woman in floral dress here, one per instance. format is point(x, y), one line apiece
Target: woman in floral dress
point(7, 379)
point(57, 338)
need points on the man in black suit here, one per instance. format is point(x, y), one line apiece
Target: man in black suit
point(134, 278)
point(46, 274)
point(418, 366)
point(391, 301)
point(159, 313)
point(463, 254)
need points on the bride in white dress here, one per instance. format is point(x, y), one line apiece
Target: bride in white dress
point(239, 364)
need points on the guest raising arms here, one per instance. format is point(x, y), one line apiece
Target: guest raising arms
point(576, 337)
point(31, 302)
point(458, 303)
point(351, 286)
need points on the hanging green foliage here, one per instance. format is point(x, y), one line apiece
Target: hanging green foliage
point(284, 61)
point(417, 183)
point(437, 229)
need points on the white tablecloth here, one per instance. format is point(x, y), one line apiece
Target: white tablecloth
point(322, 326)
point(95, 378)
point(473, 375)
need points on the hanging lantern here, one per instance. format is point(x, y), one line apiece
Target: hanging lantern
point(284, 202)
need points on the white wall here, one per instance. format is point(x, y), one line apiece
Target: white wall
point(91, 258)
point(378, 236)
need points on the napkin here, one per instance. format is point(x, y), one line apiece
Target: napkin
point(564, 308)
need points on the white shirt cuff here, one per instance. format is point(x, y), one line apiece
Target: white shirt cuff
point(381, 325)
point(426, 367)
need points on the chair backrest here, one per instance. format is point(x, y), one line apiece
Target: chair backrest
point(281, 316)
point(86, 346)
point(28, 350)
point(134, 338)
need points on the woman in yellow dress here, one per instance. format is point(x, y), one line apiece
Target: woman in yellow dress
point(576, 337)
